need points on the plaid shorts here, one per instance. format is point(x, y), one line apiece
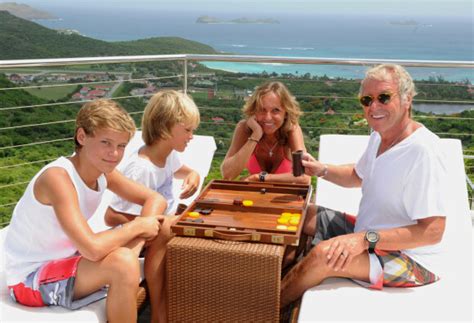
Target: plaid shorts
point(387, 268)
point(53, 284)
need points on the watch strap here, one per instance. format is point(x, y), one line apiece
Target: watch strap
point(371, 247)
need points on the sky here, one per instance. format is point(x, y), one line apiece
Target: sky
point(267, 7)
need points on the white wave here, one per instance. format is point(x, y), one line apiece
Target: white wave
point(304, 48)
point(291, 48)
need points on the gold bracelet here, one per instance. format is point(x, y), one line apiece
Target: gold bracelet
point(252, 139)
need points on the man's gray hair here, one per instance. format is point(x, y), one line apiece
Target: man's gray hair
point(387, 72)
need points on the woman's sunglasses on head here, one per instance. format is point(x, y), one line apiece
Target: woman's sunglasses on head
point(383, 98)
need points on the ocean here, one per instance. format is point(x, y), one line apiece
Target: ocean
point(302, 35)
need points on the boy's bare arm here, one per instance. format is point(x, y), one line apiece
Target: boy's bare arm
point(190, 182)
point(58, 191)
point(113, 218)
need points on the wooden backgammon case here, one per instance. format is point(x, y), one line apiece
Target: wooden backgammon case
point(223, 280)
point(221, 214)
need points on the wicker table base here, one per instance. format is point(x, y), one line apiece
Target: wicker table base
point(224, 281)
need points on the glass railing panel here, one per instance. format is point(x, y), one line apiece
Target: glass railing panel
point(39, 102)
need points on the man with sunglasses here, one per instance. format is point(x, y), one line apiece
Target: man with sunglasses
point(395, 240)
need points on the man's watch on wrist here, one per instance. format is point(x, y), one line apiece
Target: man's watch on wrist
point(372, 237)
point(261, 176)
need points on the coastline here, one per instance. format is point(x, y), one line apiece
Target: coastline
point(294, 36)
point(336, 71)
point(437, 108)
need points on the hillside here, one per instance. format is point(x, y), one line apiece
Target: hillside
point(24, 11)
point(26, 39)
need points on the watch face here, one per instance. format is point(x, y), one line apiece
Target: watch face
point(372, 236)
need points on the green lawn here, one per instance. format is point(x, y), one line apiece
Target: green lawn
point(52, 93)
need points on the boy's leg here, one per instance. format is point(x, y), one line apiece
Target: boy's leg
point(155, 272)
point(120, 270)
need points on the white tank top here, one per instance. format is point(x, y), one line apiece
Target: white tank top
point(34, 235)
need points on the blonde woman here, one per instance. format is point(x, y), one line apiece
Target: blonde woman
point(264, 140)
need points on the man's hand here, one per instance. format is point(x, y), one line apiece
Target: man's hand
point(312, 167)
point(342, 249)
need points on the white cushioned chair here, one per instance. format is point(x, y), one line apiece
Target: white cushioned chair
point(449, 299)
point(198, 155)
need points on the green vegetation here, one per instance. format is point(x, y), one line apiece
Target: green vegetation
point(27, 39)
point(329, 105)
point(52, 93)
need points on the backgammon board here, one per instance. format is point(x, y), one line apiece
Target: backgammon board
point(247, 211)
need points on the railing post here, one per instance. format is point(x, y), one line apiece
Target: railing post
point(185, 85)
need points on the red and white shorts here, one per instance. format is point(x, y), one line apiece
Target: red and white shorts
point(53, 284)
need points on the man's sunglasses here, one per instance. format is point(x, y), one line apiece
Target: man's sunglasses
point(383, 98)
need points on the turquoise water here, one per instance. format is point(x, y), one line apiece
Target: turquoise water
point(349, 72)
point(303, 35)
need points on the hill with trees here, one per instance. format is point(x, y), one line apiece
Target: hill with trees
point(23, 39)
point(329, 105)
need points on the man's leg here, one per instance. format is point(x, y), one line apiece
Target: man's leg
point(313, 269)
point(120, 270)
point(309, 225)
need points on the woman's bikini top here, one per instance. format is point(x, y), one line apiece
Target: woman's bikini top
point(254, 167)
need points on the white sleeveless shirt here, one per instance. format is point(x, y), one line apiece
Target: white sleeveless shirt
point(35, 236)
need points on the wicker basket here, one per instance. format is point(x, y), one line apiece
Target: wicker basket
point(223, 281)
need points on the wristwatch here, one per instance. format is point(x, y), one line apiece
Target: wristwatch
point(262, 175)
point(372, 238)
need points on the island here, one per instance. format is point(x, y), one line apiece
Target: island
point(24, 11)
point(243, 20)
point(409, 22)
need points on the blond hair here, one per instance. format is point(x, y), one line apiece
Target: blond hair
point(164, 110)
point(103, 114)
point(288, 102)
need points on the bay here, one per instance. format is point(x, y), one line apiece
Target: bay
point(442, 108)
point(303, 35)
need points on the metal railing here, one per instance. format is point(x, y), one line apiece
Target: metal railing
point(184, 80)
